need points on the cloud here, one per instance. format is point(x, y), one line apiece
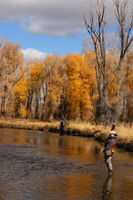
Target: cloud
point(50, 17)
point(33, 54)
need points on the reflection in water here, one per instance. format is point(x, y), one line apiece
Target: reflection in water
point(53, 144)
point(38, 166)
point(107, 187)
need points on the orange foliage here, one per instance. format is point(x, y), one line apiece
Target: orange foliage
point(80, 86)
point(60, 86)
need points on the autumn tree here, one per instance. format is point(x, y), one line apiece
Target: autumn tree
point(127, 114)
point(79, 81)
point(20, 97)
point(96, 28)
point(125, 36)
point(52, 87)
point(11, 62)
point(36, 80)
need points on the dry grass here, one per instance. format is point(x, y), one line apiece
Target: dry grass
point(87, 128)
point(100, 131)
point(81, 127)
point(27, 124)
point(125, 134)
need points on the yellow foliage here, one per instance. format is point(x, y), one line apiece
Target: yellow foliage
point(21, 89)
point(23, 111)
point(37, 76)
point(70, 81)
point(80, 86)
point(20, 93)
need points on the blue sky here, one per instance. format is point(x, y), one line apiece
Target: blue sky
point(44, 27)
point(45, 43)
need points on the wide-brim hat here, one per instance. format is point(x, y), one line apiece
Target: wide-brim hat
point(112, 132)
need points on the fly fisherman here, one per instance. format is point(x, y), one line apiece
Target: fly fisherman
point(109, 148)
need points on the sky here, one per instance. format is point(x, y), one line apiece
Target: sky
point(45, 27)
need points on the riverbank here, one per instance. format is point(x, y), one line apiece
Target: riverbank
point(99, 132)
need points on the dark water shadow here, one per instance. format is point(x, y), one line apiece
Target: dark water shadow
point(107, 188)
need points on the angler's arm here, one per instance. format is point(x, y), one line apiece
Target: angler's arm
point(111, 144)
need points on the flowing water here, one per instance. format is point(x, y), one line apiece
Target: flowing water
point(45, 166)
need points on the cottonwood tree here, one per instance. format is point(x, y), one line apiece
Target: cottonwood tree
point(11, 70)
point(35, 83)
point(96, 28)
point(126, 38)
point(80, 85)
point(52, 86)
point(127, 114)
point(20, 97)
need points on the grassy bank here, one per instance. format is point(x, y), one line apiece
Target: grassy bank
point(99, 132)
point(27, 124)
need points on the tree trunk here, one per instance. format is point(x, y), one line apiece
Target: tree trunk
point(29, 104)
point(3, 102)
point(36, 115)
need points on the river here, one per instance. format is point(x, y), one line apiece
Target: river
point(45, 166)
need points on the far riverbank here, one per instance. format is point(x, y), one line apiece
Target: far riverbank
point(98, 132)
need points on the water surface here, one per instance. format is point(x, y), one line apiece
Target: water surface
point(45, 166)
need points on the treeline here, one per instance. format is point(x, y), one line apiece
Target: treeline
point(61, 87)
